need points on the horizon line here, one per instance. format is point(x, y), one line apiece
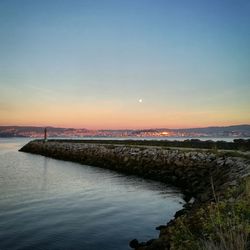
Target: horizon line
point(152, 128)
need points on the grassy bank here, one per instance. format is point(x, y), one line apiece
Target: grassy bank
point(222, 224)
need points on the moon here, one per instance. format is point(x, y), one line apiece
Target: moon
point(140, 100)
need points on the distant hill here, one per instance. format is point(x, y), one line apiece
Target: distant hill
point(37, 132)
point(30, 131)
point(223, 131)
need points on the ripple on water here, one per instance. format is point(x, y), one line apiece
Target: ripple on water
point(50, 204)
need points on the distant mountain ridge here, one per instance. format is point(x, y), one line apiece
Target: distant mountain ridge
point(37, 132)
point(236, 128)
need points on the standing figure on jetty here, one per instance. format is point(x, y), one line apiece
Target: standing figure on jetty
point(45, 135)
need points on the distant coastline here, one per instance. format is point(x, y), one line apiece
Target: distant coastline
point(235, 131)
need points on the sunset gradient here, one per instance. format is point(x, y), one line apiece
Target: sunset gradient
point(89, 63)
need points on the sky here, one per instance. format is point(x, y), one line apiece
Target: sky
point(116, 64)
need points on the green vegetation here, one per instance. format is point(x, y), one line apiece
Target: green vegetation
point(219, 225)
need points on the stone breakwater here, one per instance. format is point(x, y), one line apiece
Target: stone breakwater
point(194, 172)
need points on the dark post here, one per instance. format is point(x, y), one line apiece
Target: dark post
point(45, 134)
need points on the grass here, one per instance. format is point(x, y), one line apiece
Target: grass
point(230, 229)
point(218, 225)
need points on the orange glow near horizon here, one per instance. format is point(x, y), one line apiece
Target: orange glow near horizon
point(108, 116)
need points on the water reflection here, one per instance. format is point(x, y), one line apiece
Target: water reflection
point(51, 204)
point(45, 172)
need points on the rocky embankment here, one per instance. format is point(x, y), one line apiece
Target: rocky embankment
point(194, 172)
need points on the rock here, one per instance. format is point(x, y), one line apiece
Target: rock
point(134, 243)
point(160, 227)
point(180, 213)
point(158, 245)
point(149, 242)
point(125, 159)
point(192, 200)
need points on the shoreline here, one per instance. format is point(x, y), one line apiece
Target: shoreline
point(190, 170)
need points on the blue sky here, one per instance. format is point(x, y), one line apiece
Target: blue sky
point(87, 63)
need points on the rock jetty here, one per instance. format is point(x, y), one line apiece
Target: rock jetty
point(193, 171)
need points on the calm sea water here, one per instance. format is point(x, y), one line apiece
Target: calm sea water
point(46, 204)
